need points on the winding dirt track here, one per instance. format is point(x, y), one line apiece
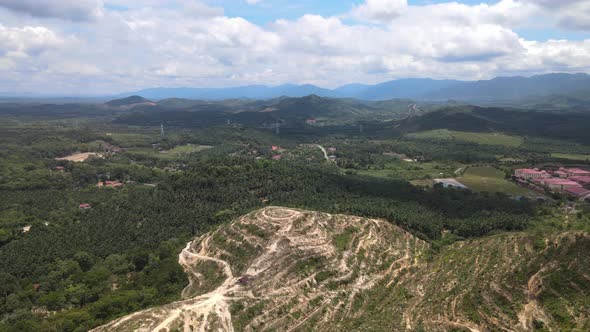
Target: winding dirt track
point(293, 237)
point(200, 307)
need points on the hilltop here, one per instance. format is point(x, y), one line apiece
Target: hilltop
point(287, 269)
point(129, 102)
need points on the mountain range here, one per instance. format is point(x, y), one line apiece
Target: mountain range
point(498, 89)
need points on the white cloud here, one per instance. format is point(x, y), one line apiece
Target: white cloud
point(78, 10)
point(193, 44)
point(27, 41)
point(379, 10)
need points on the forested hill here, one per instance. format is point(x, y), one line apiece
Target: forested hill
point(570, 126)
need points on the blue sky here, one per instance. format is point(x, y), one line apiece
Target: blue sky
point(110, 46)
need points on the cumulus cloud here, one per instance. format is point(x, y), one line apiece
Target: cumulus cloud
point(27, 41)
point(78, 10)
point(379, 10)
point(192, 44)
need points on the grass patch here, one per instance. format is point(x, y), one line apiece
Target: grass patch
point(571, 156)
point(130, 140)
point(185, 149)
point(398, 169)
point(479, 138)
point(491, 180)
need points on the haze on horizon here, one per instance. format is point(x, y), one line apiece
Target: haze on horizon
point(93, 47)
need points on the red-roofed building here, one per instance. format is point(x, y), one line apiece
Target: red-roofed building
point(85, 206)
point(583, 180)
point(275, 148)
point(277, 157)
point(112, 184)
point(578, 192)
point(574, 172)
point(530, 173)
point(556, 184)
point(311, 120)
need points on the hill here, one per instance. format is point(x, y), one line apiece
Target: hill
point(286, 269)
point(287, 110)
point(560, 125)
point(129, 102)
point(500, 89)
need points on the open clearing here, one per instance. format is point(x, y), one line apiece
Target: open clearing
point(571, 156)
point(400, 169)
point(80, 157)
point(491, 180)
point(186, 149)
point(479, 138)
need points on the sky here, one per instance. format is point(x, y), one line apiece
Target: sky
point(100, 47)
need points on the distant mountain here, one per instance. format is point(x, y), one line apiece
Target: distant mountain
point(513, 88)
point(129, 102)
point(248, 92)
point(497, 89)
point(415, 88)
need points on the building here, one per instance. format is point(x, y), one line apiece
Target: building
point(311, 121)
point(111, 184)
point(332, 150)
point(59, 168)
point(560, 174)
point(583, 180)
point(277, 157)
point(530, 173)
point(450, 183)
point(578, 192)
point(569, 172)
point(85, 206)
point(556, 184)
point(275, 148)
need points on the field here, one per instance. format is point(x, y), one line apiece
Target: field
point(491, 180)
point(400, 169)
point(178, 152)
point(479, 138)
point(185, 149)
point(132, 139)
point(571, 156)
point(80, 157)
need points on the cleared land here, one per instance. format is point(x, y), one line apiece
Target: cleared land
point(281, 269)
point(186, 149)
point(491, 180)
point(80, 157)
point(479, 138)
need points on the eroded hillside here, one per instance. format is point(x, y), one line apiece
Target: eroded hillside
point(281, 269)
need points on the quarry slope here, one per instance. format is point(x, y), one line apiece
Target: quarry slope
point(282, 269)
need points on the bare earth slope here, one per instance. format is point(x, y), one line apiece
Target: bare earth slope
point(281, 269)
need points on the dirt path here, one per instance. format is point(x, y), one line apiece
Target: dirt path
point(194, 312)
point(324, 152)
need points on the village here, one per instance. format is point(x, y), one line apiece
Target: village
point(573, 182)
